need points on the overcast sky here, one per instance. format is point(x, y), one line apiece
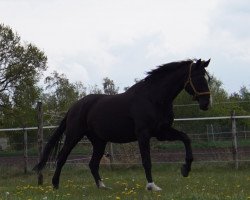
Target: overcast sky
point(88, 40)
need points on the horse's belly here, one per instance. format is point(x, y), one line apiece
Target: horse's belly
point(123, 135)
point(110, 119)
point(115, 130)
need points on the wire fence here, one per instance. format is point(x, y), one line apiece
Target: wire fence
point(214, 139)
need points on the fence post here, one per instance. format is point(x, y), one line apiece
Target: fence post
point(111, 149)
point(40, 137)
point(25, 150)
point(235, 144)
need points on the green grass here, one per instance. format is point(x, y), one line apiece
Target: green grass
point(204, 182)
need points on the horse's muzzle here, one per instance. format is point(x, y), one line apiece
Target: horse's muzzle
point(204, 103)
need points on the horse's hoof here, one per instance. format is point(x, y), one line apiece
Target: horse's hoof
point(184, 171)
point(152, 187)
point(101, 185)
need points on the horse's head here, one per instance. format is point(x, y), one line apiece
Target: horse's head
point(197, 84)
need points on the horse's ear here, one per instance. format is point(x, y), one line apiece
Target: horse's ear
point(198, 62)
point(206, 63)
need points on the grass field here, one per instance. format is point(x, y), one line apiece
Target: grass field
point(204, 182)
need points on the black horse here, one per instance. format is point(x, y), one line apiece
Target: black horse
point(145, 110)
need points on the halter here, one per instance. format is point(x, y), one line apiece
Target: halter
point(189, 80)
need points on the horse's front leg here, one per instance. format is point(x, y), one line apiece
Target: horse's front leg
point(171, 134)
point(144, 145)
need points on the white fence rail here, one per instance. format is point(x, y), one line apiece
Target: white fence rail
point(234, 151)
point(179, 119)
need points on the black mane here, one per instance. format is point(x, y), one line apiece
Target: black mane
point(165, 68)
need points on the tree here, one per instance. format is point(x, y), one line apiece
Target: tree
point(95, 90)
point(19, 64)
point(61, 95)
point(109, 86)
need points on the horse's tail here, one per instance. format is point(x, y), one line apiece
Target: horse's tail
point(52, 144)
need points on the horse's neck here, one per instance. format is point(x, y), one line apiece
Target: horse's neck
point(167, 90)
point(161, 91)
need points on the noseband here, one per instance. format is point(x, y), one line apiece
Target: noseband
point(189, 80)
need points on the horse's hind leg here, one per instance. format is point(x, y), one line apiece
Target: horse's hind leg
point(98, 151)
point(69, 143)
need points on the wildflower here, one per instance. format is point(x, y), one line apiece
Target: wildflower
point(7, 194)
point(117, 198)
